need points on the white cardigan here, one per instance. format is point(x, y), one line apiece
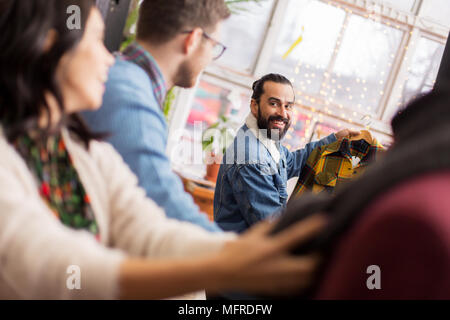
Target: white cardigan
point(36, 248)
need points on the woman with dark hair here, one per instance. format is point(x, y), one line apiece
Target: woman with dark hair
point(67, 200)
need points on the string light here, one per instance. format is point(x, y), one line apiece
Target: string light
point(330, 85)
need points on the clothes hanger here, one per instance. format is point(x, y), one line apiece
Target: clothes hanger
point(364, 135)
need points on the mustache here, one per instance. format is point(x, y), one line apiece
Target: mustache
point(278, 118)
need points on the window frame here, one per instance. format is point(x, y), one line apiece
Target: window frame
point(413, 25)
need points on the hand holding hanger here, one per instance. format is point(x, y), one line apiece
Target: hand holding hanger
point(347, 133)
point(364, 135)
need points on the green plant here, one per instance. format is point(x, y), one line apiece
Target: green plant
point(217, 137)
point(168, 102)
point(130, 25)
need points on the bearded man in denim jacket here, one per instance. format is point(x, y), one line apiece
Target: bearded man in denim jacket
point(252, 180)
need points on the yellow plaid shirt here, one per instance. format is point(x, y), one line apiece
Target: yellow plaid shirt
point(329, 166)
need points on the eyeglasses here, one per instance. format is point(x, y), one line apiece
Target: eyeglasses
point(218, 49)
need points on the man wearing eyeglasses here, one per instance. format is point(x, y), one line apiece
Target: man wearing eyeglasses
point(175, 42)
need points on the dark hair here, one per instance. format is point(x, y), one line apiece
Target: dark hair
point(161, 20)
point(405, 124)
point(258, 85)
point(28, 69)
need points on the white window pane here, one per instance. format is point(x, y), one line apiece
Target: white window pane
point(404, 5)
point(363, 64)
point(243, 34)
point(319, 24)
point(423, 69)
point(438, 10)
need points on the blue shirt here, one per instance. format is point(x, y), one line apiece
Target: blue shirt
point(251, 186)
point(131, 113)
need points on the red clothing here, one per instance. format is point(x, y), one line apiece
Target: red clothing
point(406, 232)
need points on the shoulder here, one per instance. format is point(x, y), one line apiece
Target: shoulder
point(104, 154)
point(128, 70)
point(127, 80)
point(129, 86)
point(99, 155)
point(10, 158)
point(427, 193)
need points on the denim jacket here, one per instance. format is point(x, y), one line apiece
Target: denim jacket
point(251, 185)
point(131, 113)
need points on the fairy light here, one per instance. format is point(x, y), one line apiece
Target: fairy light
point(330, 86)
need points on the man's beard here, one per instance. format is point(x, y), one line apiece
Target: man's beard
point(264, 124)
point(185, 76)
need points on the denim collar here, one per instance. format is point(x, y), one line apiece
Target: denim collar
point(272, 146)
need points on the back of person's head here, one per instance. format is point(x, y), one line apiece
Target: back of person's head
point(35, 37)
point(161, 20)
point(425, 113)
point(258, 85)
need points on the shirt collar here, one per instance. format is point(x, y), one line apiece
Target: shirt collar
point(358, 148)
point(271, 145)
point(137, 54)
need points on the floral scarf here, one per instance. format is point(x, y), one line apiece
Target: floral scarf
point(59, 184)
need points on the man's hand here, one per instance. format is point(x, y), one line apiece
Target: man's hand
point(346, 133)
point(261, 264)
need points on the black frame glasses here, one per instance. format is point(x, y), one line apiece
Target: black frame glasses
point(218, 46)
